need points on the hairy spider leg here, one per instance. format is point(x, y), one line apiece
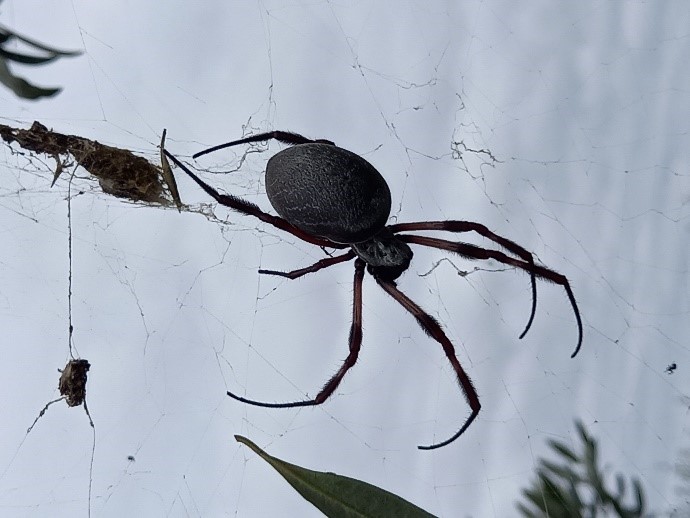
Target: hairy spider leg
point(318, 265)
point(471, 226)
point(286, 137)
point(432, 328)
point(475, 252)
point(250, 209)
point(355, 341)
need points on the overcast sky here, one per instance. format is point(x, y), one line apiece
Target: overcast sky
point(570, 124)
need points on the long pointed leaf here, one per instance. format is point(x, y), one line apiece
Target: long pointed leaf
point(339, 496)
point(26, 59)
point(21, 87)
point(7, 34)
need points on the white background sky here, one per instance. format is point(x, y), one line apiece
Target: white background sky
point(585, 107)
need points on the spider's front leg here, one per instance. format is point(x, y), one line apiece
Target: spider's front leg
point(286, 137)
point(250, 209)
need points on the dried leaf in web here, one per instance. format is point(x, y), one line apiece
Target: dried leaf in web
point(168, 175)
point(119, 171)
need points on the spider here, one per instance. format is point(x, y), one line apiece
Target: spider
point(333, 198)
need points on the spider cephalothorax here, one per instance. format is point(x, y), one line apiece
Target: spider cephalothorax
point(333, 198)
point(386, 255)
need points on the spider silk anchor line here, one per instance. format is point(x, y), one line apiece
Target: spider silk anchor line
point(333, 198)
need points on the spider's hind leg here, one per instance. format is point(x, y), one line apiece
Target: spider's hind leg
point(432, 328)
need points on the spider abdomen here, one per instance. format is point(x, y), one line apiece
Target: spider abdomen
point(328, 192)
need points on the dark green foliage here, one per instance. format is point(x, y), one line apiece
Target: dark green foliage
point(337, 496)
point(576, 487)
point(20, 86)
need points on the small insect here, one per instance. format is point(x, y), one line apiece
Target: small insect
point(333, 198)
point(671, 368)
point(72, 387)
point(72, 384)
point(131, 458)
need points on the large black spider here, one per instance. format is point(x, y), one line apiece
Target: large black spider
point(333, 198)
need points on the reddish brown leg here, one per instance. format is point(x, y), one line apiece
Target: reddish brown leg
point(286, 137)
point(475, 252)
point(318, 265)
point(249, 209)
point(471, 226)
point(434, 330)
point(355, 343)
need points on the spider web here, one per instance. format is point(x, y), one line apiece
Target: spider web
point(563, 128)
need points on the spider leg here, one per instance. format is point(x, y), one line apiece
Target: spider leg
point(471, 226)
point(318, 265)
point(286, 137)
point(355, 344)
point(475, 252)
point(434, 330)
point(249, 209)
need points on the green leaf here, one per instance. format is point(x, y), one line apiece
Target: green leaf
point(564, 450)
point(526, 512)
point(550, 499)
point(577, 486)
point(564, 472)
point(26, 59)
point(336, 495)
point(21, 87)
point(7, 34)
point(639, 497)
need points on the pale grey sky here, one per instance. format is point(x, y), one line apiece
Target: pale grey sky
point(585, 109)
